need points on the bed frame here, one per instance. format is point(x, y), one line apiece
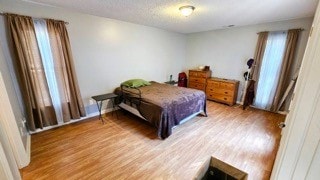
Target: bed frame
point(134, 111)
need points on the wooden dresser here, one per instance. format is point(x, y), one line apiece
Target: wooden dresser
point(222, 90)
point(198, 79)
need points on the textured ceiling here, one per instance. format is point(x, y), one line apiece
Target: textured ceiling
point(208, 15)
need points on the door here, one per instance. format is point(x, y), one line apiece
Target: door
point(299, 154)
point(308, 162)
point(8, 167)
point(10, 129)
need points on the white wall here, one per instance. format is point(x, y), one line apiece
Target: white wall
point(107, 52)
point(227, 51)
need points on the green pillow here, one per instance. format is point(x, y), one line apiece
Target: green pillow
point(135, 83)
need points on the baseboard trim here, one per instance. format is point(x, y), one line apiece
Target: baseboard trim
point(283, 112)
point(91, 115)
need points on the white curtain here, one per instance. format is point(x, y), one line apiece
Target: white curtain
point(43, 41)
point(270, 70)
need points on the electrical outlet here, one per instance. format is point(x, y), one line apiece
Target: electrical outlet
point(23, 121)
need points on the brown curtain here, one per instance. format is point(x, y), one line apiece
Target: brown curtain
point(258, 55)
point(286, 68)
point(255, 69)
point(72, 105)
point(35, 91)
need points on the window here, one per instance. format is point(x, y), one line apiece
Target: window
point(45, 66)
point(270, 70)
point(43, 41)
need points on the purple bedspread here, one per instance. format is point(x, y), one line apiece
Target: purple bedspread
point(165, 105)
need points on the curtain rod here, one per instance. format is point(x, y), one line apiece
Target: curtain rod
point(2, 14)
point(301, 29)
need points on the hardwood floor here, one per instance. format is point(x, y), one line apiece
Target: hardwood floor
point(128, 148)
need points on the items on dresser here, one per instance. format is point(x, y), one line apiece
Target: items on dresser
point(222, 90)
point(198, 79)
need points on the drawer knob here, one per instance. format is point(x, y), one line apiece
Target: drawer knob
point(225, 98)
point(226, 92)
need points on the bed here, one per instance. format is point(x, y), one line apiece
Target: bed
point(163, 105)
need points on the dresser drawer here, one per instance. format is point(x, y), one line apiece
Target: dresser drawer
point(227, 86)
point(221, 85)
point(203, 74)
point(197, 80)
point(213, 84)
point(199, 74)
point(197, 86)
point(193, 73)
point(224, 92)
point(221, 98)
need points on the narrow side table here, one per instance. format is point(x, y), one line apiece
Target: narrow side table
point(99, 100)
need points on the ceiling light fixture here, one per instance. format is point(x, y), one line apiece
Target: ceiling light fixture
point(186, 10)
